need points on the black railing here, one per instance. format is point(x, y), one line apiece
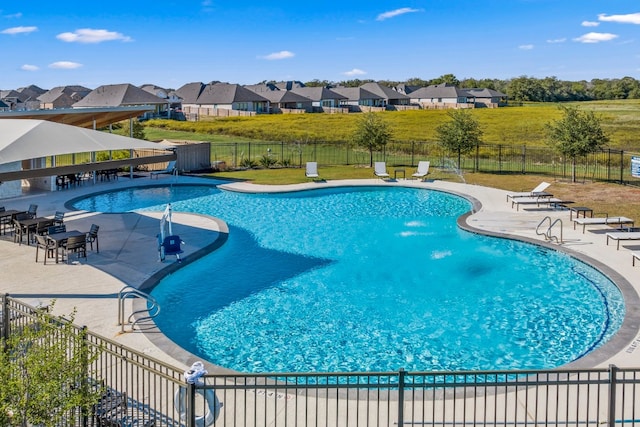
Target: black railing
point(143, 391)
point(605, 165)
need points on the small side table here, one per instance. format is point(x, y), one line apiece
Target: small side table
point(397, 171)
point(578, 209)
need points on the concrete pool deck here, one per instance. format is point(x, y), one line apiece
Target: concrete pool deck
point(128, 257)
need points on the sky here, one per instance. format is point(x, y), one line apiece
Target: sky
point(170, 43)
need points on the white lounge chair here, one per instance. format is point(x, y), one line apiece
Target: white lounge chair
point(538, 201)
point(423, 169)
point(312, 170)
point(623, 235)
point(170, 169)
point(614, 220)
point(536, 192)
point(380, 169)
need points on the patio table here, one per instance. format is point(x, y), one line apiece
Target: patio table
point(61, 238)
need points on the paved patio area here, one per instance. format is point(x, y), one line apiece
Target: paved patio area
point(128, 257)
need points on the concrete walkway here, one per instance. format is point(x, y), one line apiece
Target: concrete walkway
point(128, 257)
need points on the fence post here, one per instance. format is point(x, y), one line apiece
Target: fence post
point(524, 159)
point(401, 376)
point(476, 166)
point(191, 405)
point(612, 395)
point(621, 166)
point(5, 318)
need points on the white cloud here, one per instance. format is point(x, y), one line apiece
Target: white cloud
point(562, 40)
point(89, 35)
point(283, 54)
point(525, 47)
point(590, 24)
point(631, 18)
point(29, 67)
point(355, 72)
point(19, 30)
point(396, 12)
point(596, 37)
point(14, 15)
point(65, 65)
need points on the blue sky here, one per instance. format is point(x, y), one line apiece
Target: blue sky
point(170, 43)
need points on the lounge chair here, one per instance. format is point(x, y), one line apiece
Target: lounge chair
point(538, 201)
point(536, 192)
point(614, 220)
point(623, 235)
point(380, 170)
point(312, 170)
point(171, 246)
point(170, 169)
point(423, 169)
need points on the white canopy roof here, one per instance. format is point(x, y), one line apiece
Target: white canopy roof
point(22, 139)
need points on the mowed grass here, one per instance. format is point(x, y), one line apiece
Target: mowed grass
point(603, 198)
point(523, 125)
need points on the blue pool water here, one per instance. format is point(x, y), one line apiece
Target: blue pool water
point(371, 279)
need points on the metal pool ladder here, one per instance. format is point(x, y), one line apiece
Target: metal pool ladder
point(548, 232)
point(152, 307)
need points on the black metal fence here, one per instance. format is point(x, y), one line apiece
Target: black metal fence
point(606, 165)
point(138, 390)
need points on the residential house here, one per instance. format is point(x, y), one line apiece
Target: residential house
point(359, 99)
point(323, 99)
point(62, 96)
point(220, 99)
point(13, 99)
point(442, 95)
point(488, 97)
point(29, 96)
point(391, 98)
point(281, 100)
point(121, 95)
point(4, 107)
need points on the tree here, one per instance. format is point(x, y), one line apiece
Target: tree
point(371, 133)
point(461, 133)
point(44, 371)
point(124, 130)
point(576, 134)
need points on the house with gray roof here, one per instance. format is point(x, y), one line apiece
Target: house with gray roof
point(121, 95)
point(4, 107)
point(282, 101)
point(220, 99)
point(488, 97)
point(62, 96)
point(392, 98)
point(323, 99)
point(443, 95)
point(359, 99)
point(29, 96)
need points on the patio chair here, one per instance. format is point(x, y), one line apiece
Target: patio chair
point(312, 170)
point(380, 170)
point(61, 228)
point(171, 246)
point(75, 245)
point(48, 246)
point(92, 236)
point(58, 218)
point(423, 169)
point(32, 210)
point(42, 227)
point(170, 169)
point(19, 231)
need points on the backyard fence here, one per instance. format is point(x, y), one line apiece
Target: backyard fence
point(605, 165)
point(140, 391)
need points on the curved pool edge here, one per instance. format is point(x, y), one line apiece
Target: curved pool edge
point(614, 346)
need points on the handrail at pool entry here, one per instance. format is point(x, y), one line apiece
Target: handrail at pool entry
point(153, 308)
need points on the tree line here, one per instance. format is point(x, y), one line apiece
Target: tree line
point(523, 88)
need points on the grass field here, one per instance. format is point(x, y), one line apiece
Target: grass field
point(507, 126)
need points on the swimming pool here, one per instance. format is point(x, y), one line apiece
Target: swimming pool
point(373, 279)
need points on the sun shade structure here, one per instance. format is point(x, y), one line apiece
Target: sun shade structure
point(23, 139)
